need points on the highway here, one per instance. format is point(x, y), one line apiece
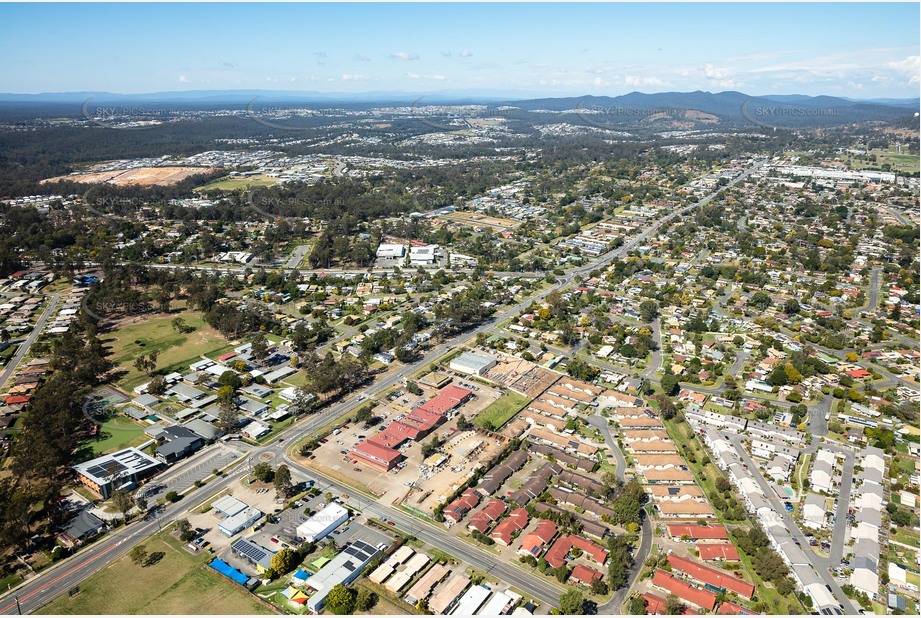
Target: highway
point(60, 578)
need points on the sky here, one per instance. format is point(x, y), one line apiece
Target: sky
point(849, 49)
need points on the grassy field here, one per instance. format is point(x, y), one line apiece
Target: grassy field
point(179, 583)
point(116, 433)
point(176, 349)
point(234, 184)
point(501, 410)
point(898, 162)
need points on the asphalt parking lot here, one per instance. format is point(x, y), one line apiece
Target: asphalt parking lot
point(218, 457)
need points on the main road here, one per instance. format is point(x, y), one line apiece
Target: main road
point(67, 574)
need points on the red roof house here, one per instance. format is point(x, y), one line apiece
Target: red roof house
point(684, 590)
point(482, 520)
point(584, 575)
point(455, 511)
point(717, 551)
point(516, 520)
point(532, 544)
point(698, 533)
point(708, 575)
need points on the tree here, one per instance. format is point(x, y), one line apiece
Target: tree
point(227, 418)
point(649, 310)
point(179, 325)
point(186, 532)
point(365, 600)
point(666, 406)
point(413, 388)
point(637, 605)
point(669, 384)
point(572, 603)
point(284, 561)
point(599, 587)
point(364, 413)
point(282, 480)
point(121, 500)
point(263, 472)
point(172, 496)
point(260, 348)
point(673, 605)
point(138, 554)
point(340, 600)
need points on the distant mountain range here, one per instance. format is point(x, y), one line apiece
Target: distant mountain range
point(678, 110)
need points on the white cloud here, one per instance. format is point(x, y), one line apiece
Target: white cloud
point(910, 67)
point(183, 79)
point(361, 58)
point(466, 54)
point(435, 77)
point(349, 77)
point(404, 56)
point(855, 86)
point(633, 80)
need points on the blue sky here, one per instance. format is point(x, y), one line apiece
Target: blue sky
point(857, 50)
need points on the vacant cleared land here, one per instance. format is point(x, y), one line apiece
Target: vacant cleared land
point(231, 183)
point(144, 176)
point(156, 332)
point(179, 583)
point(503, 409)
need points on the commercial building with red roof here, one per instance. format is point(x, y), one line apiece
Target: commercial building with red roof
point(684, 590)
point(516, 520)
point(394, 435)
point(376, 455)
point(711, 576)
point(447, 399)
point(584, 575)
point(532, 544)
point(559, 552)
point(698, 533)
point(718, 551)
point(482, 520)
point(455, 511)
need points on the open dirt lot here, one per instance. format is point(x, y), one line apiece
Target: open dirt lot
point(477, 220)
point(522, 376)
point(144, 176)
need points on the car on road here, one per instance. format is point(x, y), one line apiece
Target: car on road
point(357, 469)
point(390, 523)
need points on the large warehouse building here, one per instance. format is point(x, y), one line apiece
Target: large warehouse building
point(386, 250)
point(472, 364)
point(321, 524)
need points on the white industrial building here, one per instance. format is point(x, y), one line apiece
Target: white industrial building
point(322, 523)
point(343, 569)
point(422, 256)
point(391, 251)
point(472, 364)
